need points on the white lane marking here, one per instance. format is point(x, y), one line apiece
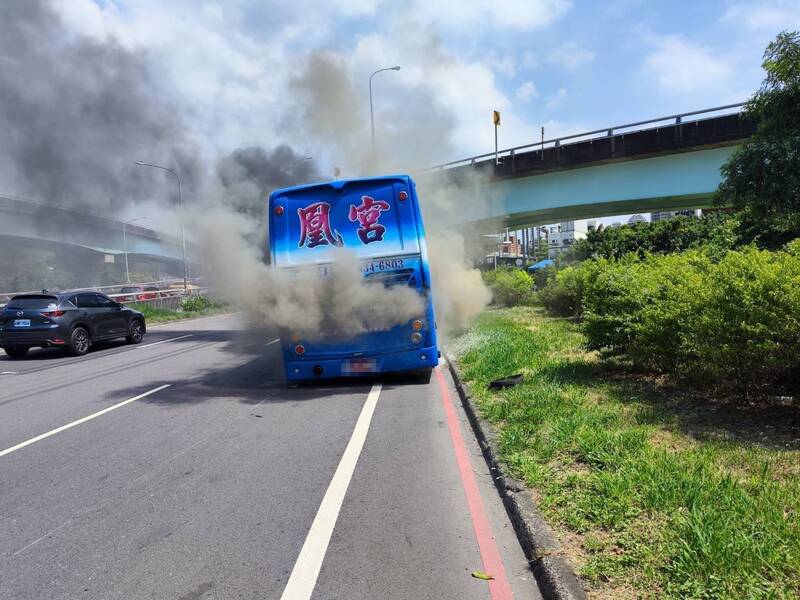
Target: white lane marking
point(83, 420)
point(180, 337)
point(306, 570)
point(273, 341)
point(182, 321)
point(8, 373)
point(36, 541)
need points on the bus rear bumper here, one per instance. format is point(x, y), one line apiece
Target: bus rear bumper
point(411, 360)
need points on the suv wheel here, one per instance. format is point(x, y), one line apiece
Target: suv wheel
point(16, 351)
point(79, 341)
point(135, 332)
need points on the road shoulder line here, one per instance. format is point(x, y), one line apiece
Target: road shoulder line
point(499, 587)
point(554, 574)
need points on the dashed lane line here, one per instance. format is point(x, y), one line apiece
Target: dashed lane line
point(52, 432)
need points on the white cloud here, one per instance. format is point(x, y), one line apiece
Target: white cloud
point(680, 67)
point(554, 100)
point(570, 55)
point(463, 15)
point(774, 15)
point(527, 91)
point(505, 66)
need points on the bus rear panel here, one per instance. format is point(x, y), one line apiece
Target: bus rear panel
point(378, 221)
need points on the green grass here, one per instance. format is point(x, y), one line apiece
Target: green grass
point(654, 492)
point(154, 315)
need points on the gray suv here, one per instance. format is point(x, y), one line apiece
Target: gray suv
point(72, 320)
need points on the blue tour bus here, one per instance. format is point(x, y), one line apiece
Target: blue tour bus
point(379, 221)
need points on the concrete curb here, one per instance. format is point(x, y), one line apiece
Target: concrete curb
point(556, 579)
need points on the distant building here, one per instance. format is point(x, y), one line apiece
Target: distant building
point(669, 214)
point(562, 236)
point(500, 249)
point(636, 219)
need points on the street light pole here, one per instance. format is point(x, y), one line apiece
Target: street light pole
point(125, 245)
point(371, 113)
point(180, 216)
point(301, 160)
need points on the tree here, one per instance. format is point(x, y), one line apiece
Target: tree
point(762, 178)
point(714, 231)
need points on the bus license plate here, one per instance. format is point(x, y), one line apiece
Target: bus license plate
point(22, 322)
point(362, 365)
point(376, 266)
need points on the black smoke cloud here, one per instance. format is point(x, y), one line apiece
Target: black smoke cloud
point(248, 175)
point(76, 113)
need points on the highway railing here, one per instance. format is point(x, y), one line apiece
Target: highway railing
point(166, 297)
point(575, 138)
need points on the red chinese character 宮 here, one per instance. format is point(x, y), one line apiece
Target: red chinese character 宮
point(367, 215)
point(315, 226)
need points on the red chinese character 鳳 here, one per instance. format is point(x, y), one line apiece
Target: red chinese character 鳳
point(315, 226)
point(367, 215)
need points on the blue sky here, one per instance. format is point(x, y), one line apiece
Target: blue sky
point(569, 65)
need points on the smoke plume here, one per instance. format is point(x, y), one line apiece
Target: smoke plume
point(76, 113)
point(345, 304)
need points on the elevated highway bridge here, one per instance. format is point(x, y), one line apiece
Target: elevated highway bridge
point(668, 163)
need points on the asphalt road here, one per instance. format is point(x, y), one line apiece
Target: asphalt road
point(226, 483)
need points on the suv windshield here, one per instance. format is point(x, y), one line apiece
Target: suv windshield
point(32, 302)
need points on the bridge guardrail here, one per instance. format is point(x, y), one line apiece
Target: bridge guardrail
point(578, 137)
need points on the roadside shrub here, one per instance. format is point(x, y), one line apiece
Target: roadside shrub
point(509, 287)
point(196, 303)
point(642, 309)
point(748, 319)
point(563, 294)
point(736, 320)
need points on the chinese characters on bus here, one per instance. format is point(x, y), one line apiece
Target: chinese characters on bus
point(315, 226)
point(367, 215)
point(316, 230)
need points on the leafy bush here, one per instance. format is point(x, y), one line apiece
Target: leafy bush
point(641, 308)
point(733, 320)
point(509, 287)
point(563, 294)
point(748, 318)
point(196, 303)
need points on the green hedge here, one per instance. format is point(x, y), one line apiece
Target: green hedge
point(196, 303)
point(732, 320)
point(509, 287)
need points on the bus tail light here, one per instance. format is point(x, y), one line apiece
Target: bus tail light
point(278, 210)
point(417, 325)
point(403, 195)
point(416, 338)
point(300, 349)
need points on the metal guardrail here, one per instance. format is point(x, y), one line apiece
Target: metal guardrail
point(577, 137)
point(163, 297)
point(163, 283)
